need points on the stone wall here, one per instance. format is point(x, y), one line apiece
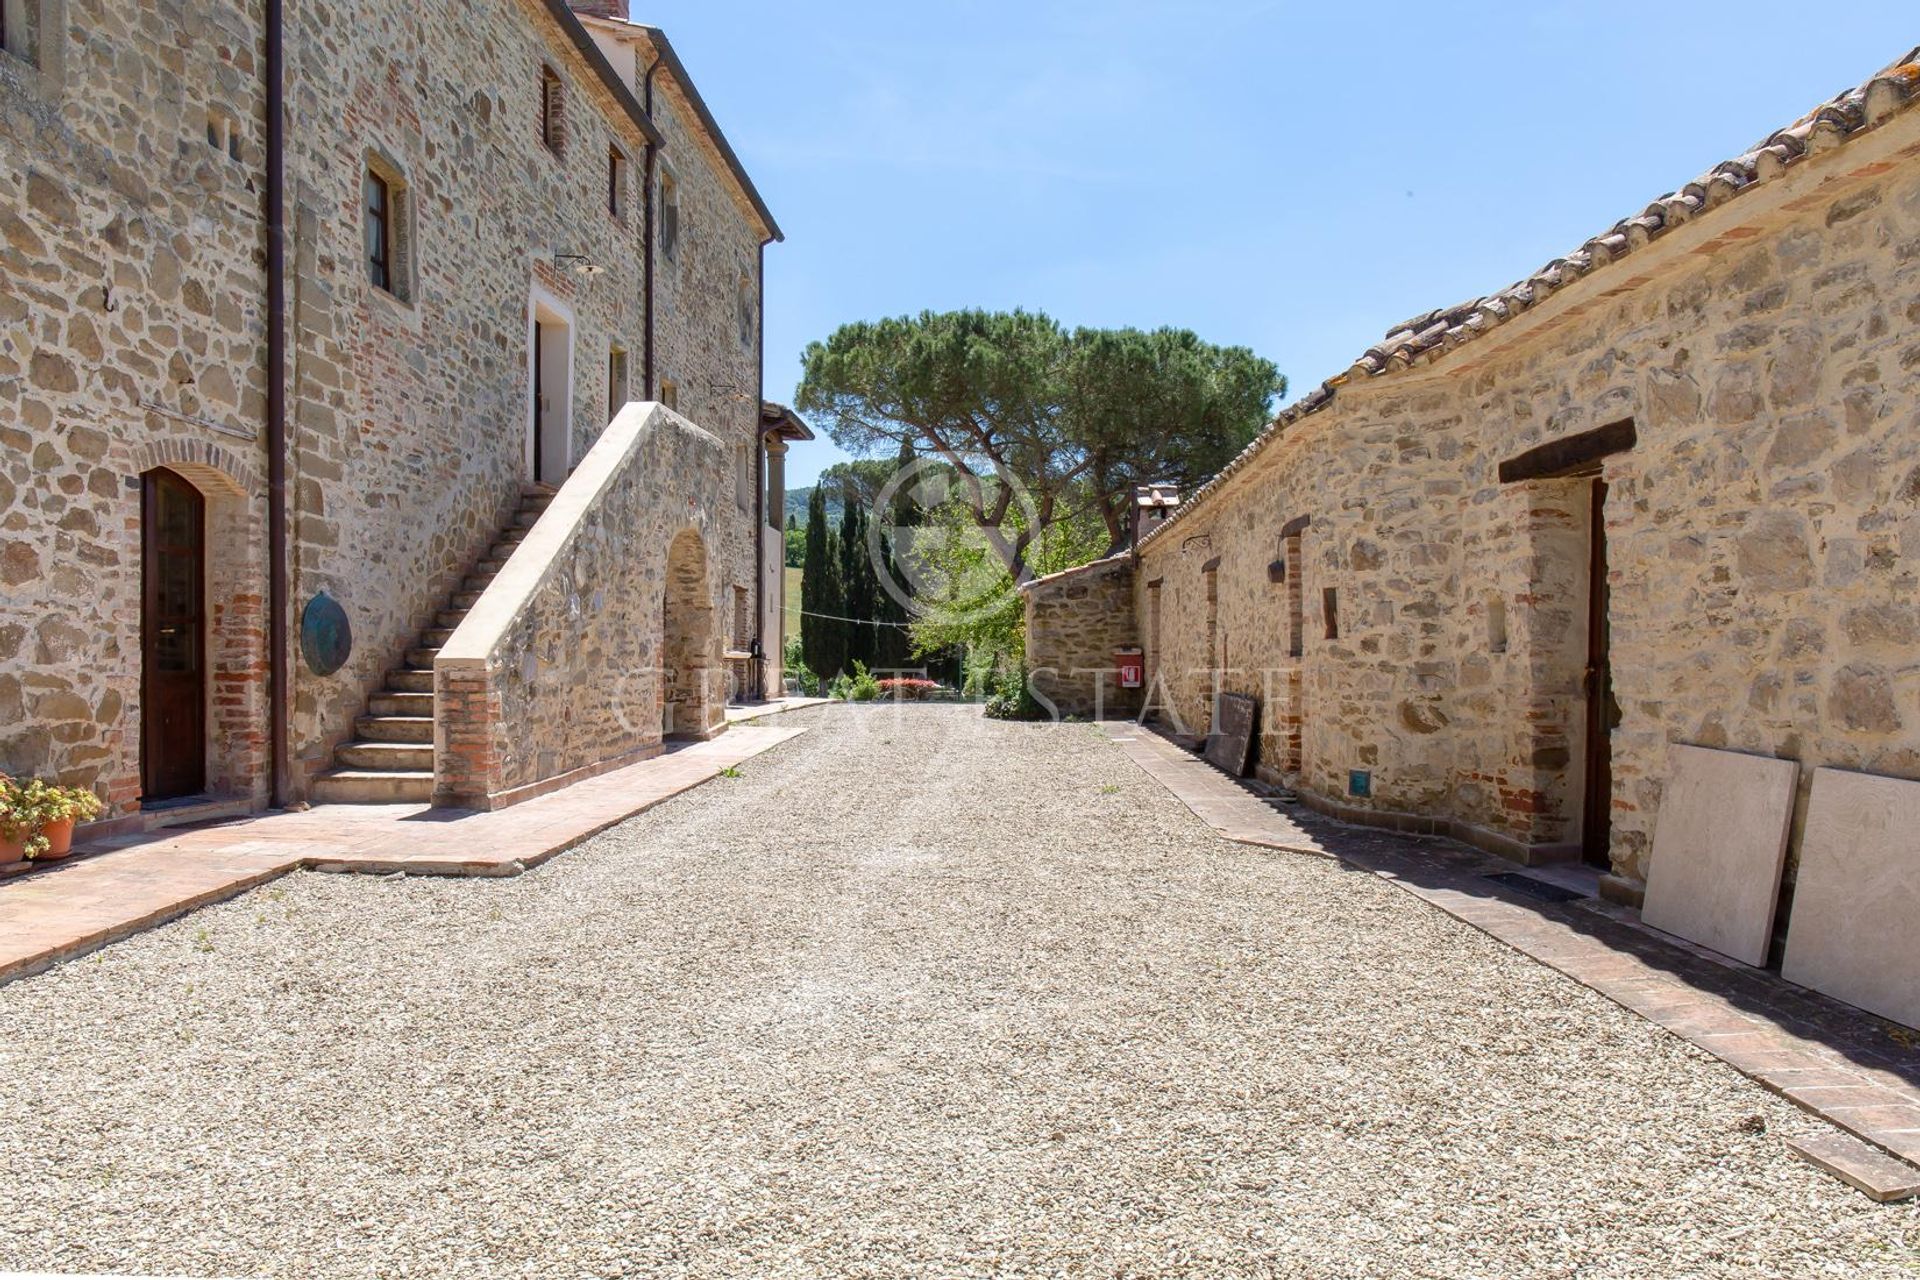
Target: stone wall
point(1075, 622)
point(564, 667)
point(1762, 532)
point(411, 442)
point(703, 346)
point(132, 285)
point(131, 336)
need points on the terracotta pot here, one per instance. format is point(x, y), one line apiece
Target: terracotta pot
point(59, 839)
point(12, 850)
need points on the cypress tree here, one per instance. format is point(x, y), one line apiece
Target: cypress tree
point(857, 585)
point(822, 599)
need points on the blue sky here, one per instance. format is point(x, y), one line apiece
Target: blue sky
point(1293, 177)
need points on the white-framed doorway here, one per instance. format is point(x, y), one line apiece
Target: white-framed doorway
point(549, 444)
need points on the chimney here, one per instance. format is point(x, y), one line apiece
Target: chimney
point(1152, 504)
point(616, 9)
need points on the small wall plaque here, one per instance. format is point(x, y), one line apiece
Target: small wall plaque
point(1360, 783)
point(326, 636)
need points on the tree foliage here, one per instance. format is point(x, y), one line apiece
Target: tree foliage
point(1040, 426)
point(823, 639)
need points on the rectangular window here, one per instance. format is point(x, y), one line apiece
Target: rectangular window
point(616, 184)
point(742, 618)
point(669, 214)
point(551, 132)
point(377, 207)
point(743, 481)
point(1330, 608)
point(616, 382)
point(670, 394)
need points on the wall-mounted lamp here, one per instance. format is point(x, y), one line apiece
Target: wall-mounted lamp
point(580, 264)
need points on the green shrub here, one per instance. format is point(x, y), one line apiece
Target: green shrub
point(1012, 699)
point(864, 688)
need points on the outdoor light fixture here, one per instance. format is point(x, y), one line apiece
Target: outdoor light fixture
point(581, 264)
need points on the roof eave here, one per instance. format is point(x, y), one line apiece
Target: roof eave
point(582, 40)
point(664, 50)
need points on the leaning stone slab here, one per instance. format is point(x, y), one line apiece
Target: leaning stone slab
point(1718, 848)
point(1853, 933)
point(1868, 1170)
point(1232, 739)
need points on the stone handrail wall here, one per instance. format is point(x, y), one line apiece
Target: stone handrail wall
point(555, 674)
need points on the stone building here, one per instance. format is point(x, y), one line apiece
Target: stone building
point(381, 284)
point(1666, 490)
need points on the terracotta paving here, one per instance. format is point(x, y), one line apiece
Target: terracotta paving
point(1857, 1071)
point(118, 887)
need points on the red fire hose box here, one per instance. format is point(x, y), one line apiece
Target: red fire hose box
point(1132, 666)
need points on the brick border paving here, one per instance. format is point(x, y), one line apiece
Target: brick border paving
point(741, 712)
point(1848, 1067)
point(118, 887)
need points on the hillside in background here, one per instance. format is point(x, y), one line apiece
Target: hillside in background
point(797, 500)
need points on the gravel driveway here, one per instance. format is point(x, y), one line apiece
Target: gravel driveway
point(918, 995)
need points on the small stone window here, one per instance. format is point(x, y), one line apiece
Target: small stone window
point(223, 133)
point(553, 134)
point(20, 28)
point(1330, 611)
point(744, 307)
point(670, 394)
point(616, 185)
point(387, 235)
point(616, 381)
point(743, 476)
point(1496, 623)
point(669, 214)
point(31, 31)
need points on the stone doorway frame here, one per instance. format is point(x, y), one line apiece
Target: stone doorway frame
point(550, 351)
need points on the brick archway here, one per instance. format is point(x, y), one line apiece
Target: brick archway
point(210, 468)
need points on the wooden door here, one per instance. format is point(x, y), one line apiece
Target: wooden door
point(173, 696)
point(539, 400)
point(1597, 811)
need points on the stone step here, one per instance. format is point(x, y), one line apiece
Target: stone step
point(378, 728)
point(410, 682)
point(435, 637)
point(356, 786)
point(474, 583)
point(524, 520)
point(385, 757)
point(450, 618)
point(421, 659)
point(510, 538)
point(465, 600)
point(409, 705)
point(492, 565)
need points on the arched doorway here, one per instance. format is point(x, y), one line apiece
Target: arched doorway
point(173, 626)
point(687, 659)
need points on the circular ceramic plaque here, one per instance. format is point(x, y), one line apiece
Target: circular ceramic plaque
point(326, 637)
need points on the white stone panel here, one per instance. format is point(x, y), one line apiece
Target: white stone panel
point(1718, 847)
point(1855, 930)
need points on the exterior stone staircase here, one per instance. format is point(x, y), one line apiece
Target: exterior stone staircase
point(390, 761)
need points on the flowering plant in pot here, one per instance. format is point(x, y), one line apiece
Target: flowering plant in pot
point(60, 808)
point(37, 818)
point(19, 823)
